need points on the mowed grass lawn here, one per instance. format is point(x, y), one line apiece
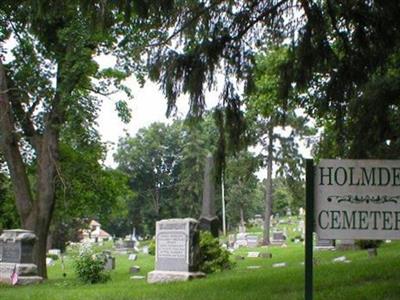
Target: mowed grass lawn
point(362, 278)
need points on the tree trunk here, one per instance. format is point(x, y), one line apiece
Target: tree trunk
point(268, 190)
point(35, 214)
point(46, 178)
point(241, 215)
point(9, 142)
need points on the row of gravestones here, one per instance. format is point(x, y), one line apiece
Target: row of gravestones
point(278, 238)
point(177, 249)
point(176, 257)
point(243, 239)
point(16, 261)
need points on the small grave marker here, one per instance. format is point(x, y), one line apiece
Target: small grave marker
point(132, 256)
point(253, 254)
point(279, 265)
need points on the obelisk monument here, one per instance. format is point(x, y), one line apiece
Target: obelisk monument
point(208, 219)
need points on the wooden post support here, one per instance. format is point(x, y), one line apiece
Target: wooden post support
point(309, 229)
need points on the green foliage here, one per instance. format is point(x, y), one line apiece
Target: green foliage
point(164, 164)
point(287, 195)
point(9, 217)
point(213, 258)
point(152, 247)
point(89, 267)
point(271, 108)
point(86, 190)
point(53, 83)
point(241, 184)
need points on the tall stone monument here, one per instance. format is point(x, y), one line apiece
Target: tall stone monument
point(177, 251)
point(208, 218)
point(16, 261)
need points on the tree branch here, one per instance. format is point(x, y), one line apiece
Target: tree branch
point(97, 91)
point(262, 15)
point(26, 123)
point(185, 25)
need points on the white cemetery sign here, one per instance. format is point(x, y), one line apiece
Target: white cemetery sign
point(357, 199)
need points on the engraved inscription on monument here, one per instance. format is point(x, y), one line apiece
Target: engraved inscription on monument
point(11, 252)
point(172, 245)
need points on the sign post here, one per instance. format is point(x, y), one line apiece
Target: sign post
point(309, 229)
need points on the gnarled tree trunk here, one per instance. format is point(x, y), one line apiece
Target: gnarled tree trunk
point(35, 209)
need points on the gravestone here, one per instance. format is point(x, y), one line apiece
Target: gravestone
point(325, 244)
point(134, 269)
point(109, 261)
point(145, 250)
point(253, 254)
point(278, 238)
point(253, 267)
point(137, 277)
point(231, 240)
point(252, 241)
point(16, 247)
point(279, 265)
point(302, 228)
point(345, 245)
point(302, 212)
point(128, 244)
point(208, 220)
point(177, 251)
point(266, 255)
point(258, 220)
point(241, 240)
point(132, 256)
point(55, 252)
point(49, 262)
point(118, 243)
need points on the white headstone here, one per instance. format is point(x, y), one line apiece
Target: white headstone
point(253, 254)
point(55, 252)
point(132, 256)
point(177, 251)
point(49, 262)
point(279, 265)
point(339, 259)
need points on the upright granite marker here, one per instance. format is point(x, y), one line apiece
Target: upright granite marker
point(16, 248)
point(177, 251)
point(208, 218)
